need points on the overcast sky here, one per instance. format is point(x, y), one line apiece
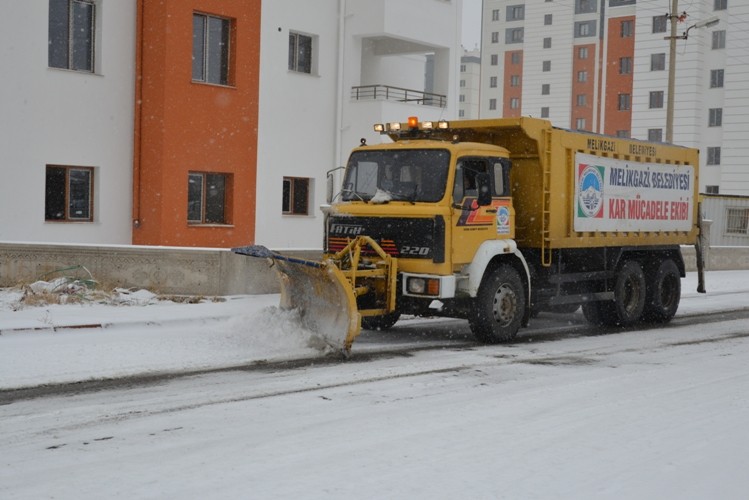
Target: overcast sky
point(471, 23)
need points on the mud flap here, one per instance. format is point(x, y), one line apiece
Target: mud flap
point(319, 291)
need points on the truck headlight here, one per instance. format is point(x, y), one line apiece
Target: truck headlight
point(423, 286)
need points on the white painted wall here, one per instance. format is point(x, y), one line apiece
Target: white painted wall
point(51, 116)
point(296, 134)
point(308, 124)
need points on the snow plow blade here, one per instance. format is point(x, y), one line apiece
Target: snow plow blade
point(325, 293)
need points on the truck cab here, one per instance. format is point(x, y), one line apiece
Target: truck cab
point(443, 209)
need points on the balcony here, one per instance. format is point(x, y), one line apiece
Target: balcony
point(398, 94)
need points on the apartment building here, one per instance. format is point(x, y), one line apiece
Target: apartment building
point(603, 65)
point(469, 99)
point(210, 123)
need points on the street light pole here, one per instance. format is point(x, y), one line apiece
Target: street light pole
point(671, 73)
point(674, 18)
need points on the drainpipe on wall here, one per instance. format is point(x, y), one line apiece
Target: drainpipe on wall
point(340, 91)
point(138, 115)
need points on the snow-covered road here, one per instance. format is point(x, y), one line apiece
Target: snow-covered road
point(659, 413)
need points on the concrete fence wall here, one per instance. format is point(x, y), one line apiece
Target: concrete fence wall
point(188, 271)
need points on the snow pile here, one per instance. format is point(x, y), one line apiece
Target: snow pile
point(275, 331)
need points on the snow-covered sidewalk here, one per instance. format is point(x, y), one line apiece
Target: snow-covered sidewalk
point(70, 343)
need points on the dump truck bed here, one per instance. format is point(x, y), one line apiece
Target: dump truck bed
point(575, 189)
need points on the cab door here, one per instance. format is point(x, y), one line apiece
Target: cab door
point(472, 224)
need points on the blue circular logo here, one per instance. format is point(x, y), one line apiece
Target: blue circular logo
point(590, 189)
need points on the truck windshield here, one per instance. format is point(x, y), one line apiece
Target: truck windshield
point(384, 175)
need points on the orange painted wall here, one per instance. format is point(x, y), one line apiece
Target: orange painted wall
point(183, 127)
point(616, 83)
point(511, 92)
point(587, 64)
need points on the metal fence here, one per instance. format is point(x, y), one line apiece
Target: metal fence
point(388, 93)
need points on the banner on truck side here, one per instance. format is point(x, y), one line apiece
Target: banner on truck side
point(621, 195)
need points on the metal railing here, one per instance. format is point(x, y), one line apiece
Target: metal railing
point(388, 93)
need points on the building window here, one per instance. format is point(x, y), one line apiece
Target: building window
point(295, 195)
point(585, 6)
point(492, 104)
point(716, 78)
point(494, 59)
point(624, 102)
point(495, 14)
point(582, 76)
point(713, 155)
point(493, 81)
point(712, 189)
point(659, 24)
point(655, 134)
point(719, 39)
point(68, 194)
point(515, 12)
point(495, 36)
point(716, 117)
point(515, 81)
point(656, 99)
point(514, 35)
point(580, 124)
point(462, 98)
point(626, 29)
point(581, 99)
point(547, 19)
point(585, 28)
point(206, 198)
point(624, 134)
point(545, 112)
point(720, 5)
point(582, 53)
point(301, 52)
point(516, 57)
point(461, 114)
point(619, 3)
point(71, 34)
point(210, 49)
point(463, 68)
point(625, 65)
point(737, 221)
point(546, 66)
point(658, 62)
point(545, 89)
point(547, 42)
point(514, 103)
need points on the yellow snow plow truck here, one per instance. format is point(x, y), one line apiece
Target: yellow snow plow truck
point(495, 221)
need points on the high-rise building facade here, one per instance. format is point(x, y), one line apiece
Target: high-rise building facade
point(470, 85)
point(603, 66)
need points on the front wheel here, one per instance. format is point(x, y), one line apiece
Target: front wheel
point(498, 308)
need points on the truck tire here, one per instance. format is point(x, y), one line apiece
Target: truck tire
point(629, 294)
point(383, 322)
point(499, 306)
point(663, 293)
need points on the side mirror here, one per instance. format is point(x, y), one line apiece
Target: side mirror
point(484, 187)
point(329, 188)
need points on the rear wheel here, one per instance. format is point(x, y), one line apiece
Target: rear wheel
point(629, 293)
point(383, 322)
point(629, 299)
point(499, 306)
point(663, 293)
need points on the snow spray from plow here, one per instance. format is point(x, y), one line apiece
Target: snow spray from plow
point(326, 293)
